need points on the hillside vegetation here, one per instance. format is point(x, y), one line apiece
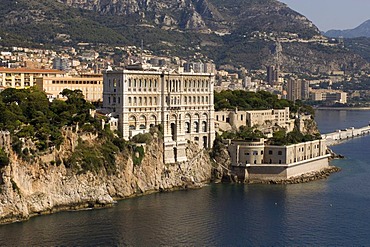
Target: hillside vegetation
point(36, 127)
point(222, 31)
point(262, 100)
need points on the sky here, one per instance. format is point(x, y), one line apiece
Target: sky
point(332, 14)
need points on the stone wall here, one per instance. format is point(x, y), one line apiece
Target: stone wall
point(279, 172)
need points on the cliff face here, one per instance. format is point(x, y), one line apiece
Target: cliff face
point(211, 15)
point(40, 187)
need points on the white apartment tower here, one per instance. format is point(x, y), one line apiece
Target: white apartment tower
point(181, 102)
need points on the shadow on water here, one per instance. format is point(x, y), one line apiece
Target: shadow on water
point(332, 211)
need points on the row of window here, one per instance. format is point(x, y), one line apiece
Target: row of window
point(94, 89)
point(196, 129)
point(290, 161)
point(76, 82)
point(279, 152)
point(172, 85)
point(142, 101)
point(134, 83)
point(188, 100)
point(191, 85)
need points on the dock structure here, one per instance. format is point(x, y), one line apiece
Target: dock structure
point(344, 134)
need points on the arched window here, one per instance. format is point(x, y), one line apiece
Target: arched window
point(187, 127)
point(173, 131)
point(132, 123)
point(196, 127)
point(204, 126)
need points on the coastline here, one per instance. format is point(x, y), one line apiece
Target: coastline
point(93, 205)
point(304, 178)
point(343, 108)
point(86, 205)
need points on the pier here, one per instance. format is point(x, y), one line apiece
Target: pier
point(344, 134)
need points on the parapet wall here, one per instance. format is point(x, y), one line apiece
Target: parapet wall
point(278, 172)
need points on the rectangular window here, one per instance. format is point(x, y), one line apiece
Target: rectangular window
point(280, 153)
point(270, 151)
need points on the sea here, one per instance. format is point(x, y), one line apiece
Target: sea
point(328, 212)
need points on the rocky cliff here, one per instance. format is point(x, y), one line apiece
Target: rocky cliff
point(42, 186)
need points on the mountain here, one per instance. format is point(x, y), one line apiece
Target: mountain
point(229, 32)
point(361, 31)
point(203, 15)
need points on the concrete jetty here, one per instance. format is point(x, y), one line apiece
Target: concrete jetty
point(344, 134)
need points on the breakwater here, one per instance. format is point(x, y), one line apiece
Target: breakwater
point(345, 134)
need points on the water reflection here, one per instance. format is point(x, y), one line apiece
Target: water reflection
point(332, 211)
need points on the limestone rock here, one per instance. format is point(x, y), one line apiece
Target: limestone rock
point(41, 187)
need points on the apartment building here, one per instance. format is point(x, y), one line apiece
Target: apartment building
point(23, 78)
point(91, 87)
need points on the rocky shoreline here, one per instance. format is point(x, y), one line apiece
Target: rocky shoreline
point(304, 178)
point(41, 187)
point(9, 219)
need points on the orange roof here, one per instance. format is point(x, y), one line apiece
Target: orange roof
point(26, 70)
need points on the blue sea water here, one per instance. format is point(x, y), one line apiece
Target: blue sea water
point(330, 212)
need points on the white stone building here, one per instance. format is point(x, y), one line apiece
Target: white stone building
point(258, 160)
point(181, 102)
point(265, 120)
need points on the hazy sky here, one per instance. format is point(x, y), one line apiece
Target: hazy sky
point(332, 14)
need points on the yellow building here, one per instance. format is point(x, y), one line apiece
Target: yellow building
point(91, 87)
point(23, 78)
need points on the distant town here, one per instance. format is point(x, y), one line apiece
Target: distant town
point(82, 67)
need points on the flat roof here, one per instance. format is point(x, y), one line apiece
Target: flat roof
point(149, 72)
point(73, 78)
point(27, 70)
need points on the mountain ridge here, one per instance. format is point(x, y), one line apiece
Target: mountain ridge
point(236, 32)
point(363, 30)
